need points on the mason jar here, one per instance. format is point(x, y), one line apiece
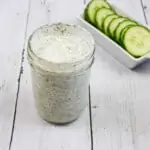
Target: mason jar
point(60, 56)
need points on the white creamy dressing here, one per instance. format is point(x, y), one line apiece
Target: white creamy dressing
point(61, 49)
point(60, 97)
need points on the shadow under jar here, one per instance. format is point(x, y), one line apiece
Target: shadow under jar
point(60, 56)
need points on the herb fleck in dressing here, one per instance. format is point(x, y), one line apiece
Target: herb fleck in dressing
point(60, 56)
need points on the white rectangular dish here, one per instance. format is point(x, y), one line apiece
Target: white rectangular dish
point(110, 46)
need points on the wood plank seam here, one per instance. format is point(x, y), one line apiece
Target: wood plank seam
point(19, 78)
point(144, 13)
point(91, 124)
point(90, 111)
point(90, 108)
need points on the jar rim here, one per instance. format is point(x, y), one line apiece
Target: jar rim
point(66, 25)
point(34, 56)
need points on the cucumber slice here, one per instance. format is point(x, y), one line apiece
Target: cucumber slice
point(100, 16)
point(107, 21)
point(123, 33)
point(85, 15)
point(137, 41)
point(113, 25)
point(93, 7)
point(121, 27)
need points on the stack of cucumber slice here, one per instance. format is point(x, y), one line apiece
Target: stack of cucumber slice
point(133, 37)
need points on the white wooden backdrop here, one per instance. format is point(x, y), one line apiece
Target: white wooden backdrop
point(118, 116)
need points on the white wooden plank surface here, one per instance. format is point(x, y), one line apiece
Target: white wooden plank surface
point(146, 10)
point(12, 27)
point(142, 106)
point(31, 132)
point(120, 99)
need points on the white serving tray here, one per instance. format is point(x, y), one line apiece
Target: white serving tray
point(110, 46)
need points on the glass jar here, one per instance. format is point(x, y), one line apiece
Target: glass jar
point(60, 87)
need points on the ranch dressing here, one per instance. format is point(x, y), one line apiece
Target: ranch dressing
point(60, 57)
